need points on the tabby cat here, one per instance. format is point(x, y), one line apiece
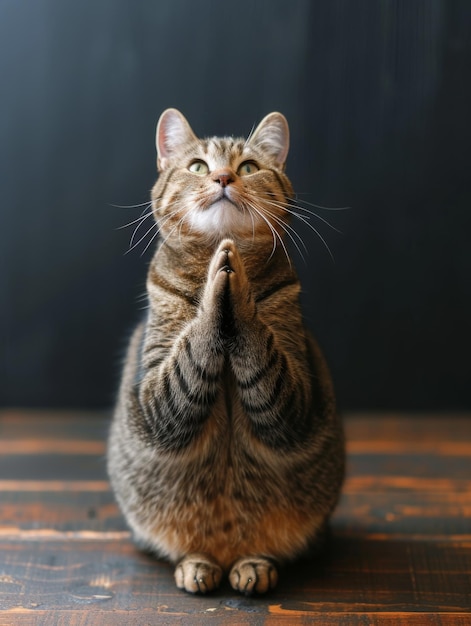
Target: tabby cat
point(225, 453)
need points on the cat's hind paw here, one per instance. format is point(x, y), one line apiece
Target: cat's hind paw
point(198, 573)
point(253, 575)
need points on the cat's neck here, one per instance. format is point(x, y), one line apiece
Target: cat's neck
point(186, 263)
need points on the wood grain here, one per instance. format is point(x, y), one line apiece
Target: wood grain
point(230, 616)
point(400, 553)
point(371, 575)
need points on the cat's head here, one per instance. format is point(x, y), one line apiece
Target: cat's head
point(221, 186)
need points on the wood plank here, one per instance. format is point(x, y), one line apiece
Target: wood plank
point(416, 465)
point(356, 575)
point(53, 424)
point(60, 510)
point(440, 448)
point(408, 427)
point(414, 513)
point(51, 446)
point(53, 466)
point(54, 485)
point(227, 616)
point(374, 484)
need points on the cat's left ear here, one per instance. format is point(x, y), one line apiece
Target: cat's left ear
point(272, 135)
point(173, 133)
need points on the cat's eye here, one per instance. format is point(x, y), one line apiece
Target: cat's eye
point(247, 168)
point(199, 167)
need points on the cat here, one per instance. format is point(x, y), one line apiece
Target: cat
point(226, 453)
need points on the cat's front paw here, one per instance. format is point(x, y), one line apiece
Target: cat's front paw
point(217, 281)
point(198, 573)
point(253, 575)
point(234, 260)
point(221, 260)
point(242, 302)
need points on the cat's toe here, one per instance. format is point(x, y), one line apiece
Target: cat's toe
point(226, 245)
point(197, 573)
point(253, 575)
point(219, 263)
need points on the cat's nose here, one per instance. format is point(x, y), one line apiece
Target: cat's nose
point(223, 177)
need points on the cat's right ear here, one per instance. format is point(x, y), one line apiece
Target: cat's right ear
point(173, 133)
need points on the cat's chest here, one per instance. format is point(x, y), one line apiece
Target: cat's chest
point(223, 460)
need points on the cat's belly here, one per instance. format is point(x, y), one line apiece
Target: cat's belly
point(222, 499)
point(228, 531)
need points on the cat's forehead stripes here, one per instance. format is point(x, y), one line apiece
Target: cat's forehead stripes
point(222, 152)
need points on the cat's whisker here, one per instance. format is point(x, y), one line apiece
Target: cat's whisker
point(136, 230)
point(130, 206)
point(249, 137)
point(275, 233)
point(319, 217)
point(312, 228)
point(176, 205)
point(287, 228)
point(150, 241)
point(141, 219)
point(306, 218)
point(298, 207)
point(322, 239)
point(131, 246)
point(303, 218)
point(323, 208)
point(263, 210)
point(154, 225)
point(161, 222)
point(317, 206)
point(253, 224)
point(278, 219)
point(180, 225)
point(172, 230)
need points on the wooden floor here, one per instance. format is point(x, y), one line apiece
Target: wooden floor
point(400, 552)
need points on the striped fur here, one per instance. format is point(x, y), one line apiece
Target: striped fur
point(225, 453)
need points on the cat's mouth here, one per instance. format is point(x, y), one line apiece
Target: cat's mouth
point(224, 201)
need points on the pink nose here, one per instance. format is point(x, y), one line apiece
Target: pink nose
point(223, 177)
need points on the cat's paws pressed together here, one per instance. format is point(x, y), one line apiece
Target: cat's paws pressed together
point(227, 278)
point(226, 259)
point(199, 573)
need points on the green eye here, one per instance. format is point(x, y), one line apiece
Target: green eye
point(199, 167)
point(247, 168)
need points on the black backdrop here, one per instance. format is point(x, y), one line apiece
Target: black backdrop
point(378, 96)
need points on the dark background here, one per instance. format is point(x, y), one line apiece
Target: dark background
point(378, 97)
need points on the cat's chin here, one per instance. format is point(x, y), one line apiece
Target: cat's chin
point(222, 218)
